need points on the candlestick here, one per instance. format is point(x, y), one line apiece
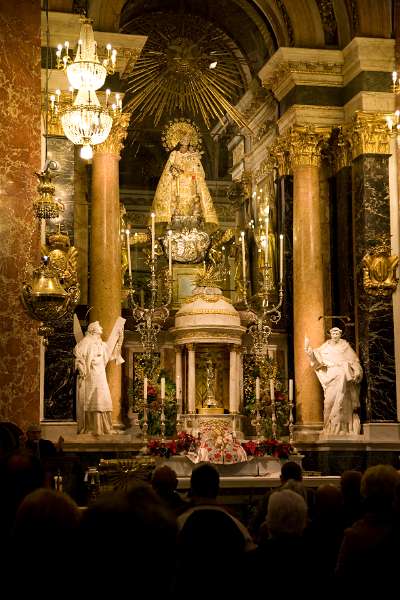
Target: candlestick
point(273, 409)
point(291, 390)
point(162, 388)
point(128, 250)
point(153, 235)
point(266, 212)
point(243, 259)
point(281, 258)
point(145, 388)
point(257, 388)
point(170, 253)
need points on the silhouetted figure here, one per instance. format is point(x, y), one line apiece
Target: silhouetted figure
point(370, 551)
point(279, 564)
point(164, 481)
point(350, 483)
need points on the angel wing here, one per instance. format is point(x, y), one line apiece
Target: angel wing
point(78, 333)
point(115, 340)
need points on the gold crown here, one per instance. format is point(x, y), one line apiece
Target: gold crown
point(59, 240)
point(178, 129)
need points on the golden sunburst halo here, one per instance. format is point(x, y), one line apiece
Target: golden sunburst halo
point(186, 66)
point(179, 129)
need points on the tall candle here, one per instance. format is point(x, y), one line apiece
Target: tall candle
point(266, 257)
point(128, 250)
point(162, 388)
point(178, 387)
point(145, 388)
point(243, 259)
point(272, 389)
point(170, 253)
point(290, 390)
point(257, 388)
point(281, 258)
point(153, 235)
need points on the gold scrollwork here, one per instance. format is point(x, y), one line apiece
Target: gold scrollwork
point(379, 271)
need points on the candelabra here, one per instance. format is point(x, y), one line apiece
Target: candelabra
point(150, 320)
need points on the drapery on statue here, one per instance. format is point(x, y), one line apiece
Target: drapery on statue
point(94, 404)
point(339, 371)
point(182, 190)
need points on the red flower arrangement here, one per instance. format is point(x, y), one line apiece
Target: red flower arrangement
point(274, 448)
point(183, 442)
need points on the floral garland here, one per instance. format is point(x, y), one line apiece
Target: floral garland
point(269, 447)
point(185, 442)
point(180, 445)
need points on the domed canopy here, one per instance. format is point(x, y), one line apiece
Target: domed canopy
point(207, 317)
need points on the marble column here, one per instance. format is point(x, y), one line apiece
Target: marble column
point(374, 313)
point(19, 233)
point(233, 380)
point(308, 299)
point(105, 250)
point(191, 379)
point(178, 377)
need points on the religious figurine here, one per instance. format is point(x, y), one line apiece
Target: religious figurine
point(94, 404)
point(210, 382)
point(339, 371)
point(182, 197)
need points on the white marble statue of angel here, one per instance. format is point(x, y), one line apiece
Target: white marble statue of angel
point(94, 404)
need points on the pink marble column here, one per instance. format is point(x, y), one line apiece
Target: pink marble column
point(308, 297)
point(105, 255)
point(20, 98)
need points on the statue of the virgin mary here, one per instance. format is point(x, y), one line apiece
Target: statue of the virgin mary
point(182, 197)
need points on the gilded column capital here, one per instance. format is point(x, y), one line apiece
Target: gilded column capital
point(280, 153)
point(306, 143)
point(191, 347)
point(368, 133)
point(340, 150)
point(115, 141)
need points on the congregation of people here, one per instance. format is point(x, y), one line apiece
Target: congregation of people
point(148, 536)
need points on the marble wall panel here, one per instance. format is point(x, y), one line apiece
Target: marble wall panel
point(59, 380)
point(374, 315)
point(19, 235)
point(342, 259)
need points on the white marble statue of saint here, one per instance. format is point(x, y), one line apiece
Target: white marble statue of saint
point(339, 371)
point(94, 404)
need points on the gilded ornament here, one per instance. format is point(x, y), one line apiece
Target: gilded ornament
point(115, 141)
point(340, 150)
point(306, 144)
point(379, 271)
point(368, 134)
point(62, 257)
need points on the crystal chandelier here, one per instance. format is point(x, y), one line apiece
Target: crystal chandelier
point(86, 122)
point(86, 70)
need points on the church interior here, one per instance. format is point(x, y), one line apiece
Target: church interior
point(200, 239)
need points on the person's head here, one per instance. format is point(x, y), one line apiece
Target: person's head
point(291, 470)
point(164, 480)
point(95, 328)
point(33, 432)
point(287, 514)
point(350, 483)
point(328, 503)
point(204, 482)
point(46, 514)
point(296, 486)
point(378, 486)
point(335, 334)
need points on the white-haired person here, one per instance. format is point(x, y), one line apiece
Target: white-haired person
point(279, 562)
